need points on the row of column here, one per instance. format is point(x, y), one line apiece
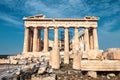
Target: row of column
point(36, 39)
point(90, 40)
point(34, 43)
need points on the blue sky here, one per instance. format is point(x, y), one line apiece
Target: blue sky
point(12, 12)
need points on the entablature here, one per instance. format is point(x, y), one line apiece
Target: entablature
point(41, 21)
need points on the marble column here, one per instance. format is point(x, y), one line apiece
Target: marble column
point(56, 38)
point(38, 40)
point(87, 46)
point(55, 54)
point(77, 60)
point(81, 43)
point(26, 40)
point(96, 47)
point(91, 39)
point(45, 39)
point(31, 40)
point(35, 40)
point(66, 49)
point(76, 40)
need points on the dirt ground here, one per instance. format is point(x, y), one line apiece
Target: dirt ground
point(67, 73)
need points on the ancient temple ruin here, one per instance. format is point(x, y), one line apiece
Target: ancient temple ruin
point(85, 49)
point(34, 24)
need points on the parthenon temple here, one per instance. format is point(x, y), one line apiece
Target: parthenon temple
point(34, 24)
point(83, 48)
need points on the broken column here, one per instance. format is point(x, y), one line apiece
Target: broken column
point(55, 56)
point(77, 60)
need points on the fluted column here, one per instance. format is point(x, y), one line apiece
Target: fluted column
point(26, 40)
point(96, 47)
point(76, 40)
point(56, 37)
point(55, 56)
point(31, 40)
point(45, 39)
point(35, 40)
point(38, 40)
point(66, 53)
point(91, 40)
point(87, 46)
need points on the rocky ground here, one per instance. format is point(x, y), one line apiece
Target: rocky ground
point(65, 73)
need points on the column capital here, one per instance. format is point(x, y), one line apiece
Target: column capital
point(55, 27)
point(86, 28)
point(35, 27)
point(27, 27)
point(66, 27)
point(76, 27)
point(94, 27)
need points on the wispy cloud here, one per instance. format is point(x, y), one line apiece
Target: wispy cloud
point(10, 20)
point(107, 8)
point(73, 7)
point(110, 25)
point(65, 8)
point(36, 7)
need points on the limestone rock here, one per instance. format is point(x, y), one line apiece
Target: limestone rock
point(13, 61)
point(41, 70)
point(49, 78)
point(92, 74)
point(18, 72)
point(92, 54)
point(112, 53)
point(109, 76)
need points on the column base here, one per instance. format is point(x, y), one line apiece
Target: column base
point(77, 61)
point(55, 59)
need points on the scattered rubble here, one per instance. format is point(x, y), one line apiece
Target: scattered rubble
point(38, 68)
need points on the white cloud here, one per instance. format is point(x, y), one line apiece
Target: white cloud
point(10, 19)
point(108, 25)
point(66, 8)
point(37, 7)
point(105, 8)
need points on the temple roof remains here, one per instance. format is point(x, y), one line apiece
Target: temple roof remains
point(40, 17)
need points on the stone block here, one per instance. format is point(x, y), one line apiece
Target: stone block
point(92, 54)
point(113, 53)
point(77, 61)
point(110, 75)
point(92, 74)
point(41, 70)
